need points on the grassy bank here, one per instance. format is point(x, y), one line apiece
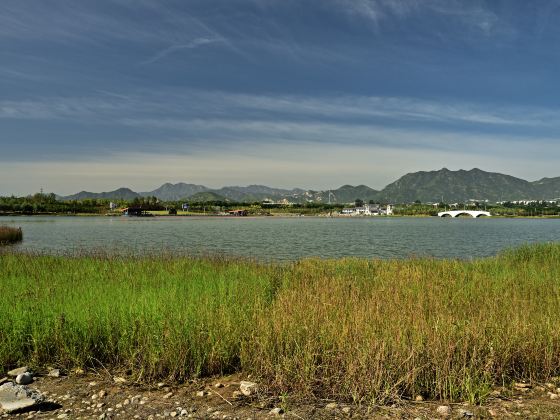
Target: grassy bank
point(352, 329)
point(10, 235)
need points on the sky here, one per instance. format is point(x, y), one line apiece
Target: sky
point(96, 95)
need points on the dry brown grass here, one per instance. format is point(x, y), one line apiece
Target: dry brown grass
point(9, 235)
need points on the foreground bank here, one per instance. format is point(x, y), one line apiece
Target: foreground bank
point(348, 330)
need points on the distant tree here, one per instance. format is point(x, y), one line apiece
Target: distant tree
point(359, 202)
point(417, 202)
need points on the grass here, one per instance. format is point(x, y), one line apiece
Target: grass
point(354, 330)
point(10, 235)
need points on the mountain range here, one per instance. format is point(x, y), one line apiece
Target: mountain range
point(432, 186)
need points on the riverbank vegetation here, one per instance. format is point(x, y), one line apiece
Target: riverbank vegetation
point(358, 330)
point(10, 235)
point(49, 204)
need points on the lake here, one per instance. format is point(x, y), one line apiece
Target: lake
point(282, 238)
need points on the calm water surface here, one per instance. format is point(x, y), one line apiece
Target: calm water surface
point(276, 238)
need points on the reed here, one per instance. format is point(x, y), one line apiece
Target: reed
point(10, 235)
point(355, 330)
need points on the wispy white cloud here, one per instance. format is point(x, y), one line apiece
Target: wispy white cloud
point(473, 15)
point(198, 42)
point(187, 105)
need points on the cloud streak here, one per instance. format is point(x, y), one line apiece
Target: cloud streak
point(195, 43)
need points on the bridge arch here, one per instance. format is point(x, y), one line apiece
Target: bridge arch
point(456, 213)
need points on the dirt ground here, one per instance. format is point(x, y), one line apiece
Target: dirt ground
point(101, 397)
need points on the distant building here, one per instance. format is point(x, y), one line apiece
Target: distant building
point(238, 212)
point(367, 210)
point(112, 206)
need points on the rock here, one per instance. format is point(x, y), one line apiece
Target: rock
point(331, 406)
point(16, 397)
point(465, 413)
point(553, 396)
point(184, 413)
point(419, 398)
point(54, 373)
point(492, 412)
point(522, 385)
point(237, 394)
point(248, 388)
point(160, 384)
point(62, 416)
point(173, 414)
point(346, 410)
point(4, 380)
point(24, 378)
point(168, 395)
point(219, 385)
point(200, 394)
point(18, 371)
point(444, 410)
point(276, 411)
point(102, 393)
point(119, 379)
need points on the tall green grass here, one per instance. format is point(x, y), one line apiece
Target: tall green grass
point(356, 330)
point(9, 235)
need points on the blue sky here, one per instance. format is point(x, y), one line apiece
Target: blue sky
point(315, 94)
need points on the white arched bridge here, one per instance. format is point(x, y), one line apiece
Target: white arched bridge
point(456, 213)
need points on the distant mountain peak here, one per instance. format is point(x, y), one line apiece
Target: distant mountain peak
point(426, 186)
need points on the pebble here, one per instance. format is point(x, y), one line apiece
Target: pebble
point(248, 388)
point(119, 379)
point(160, 385)
point(276, 411)
point(54, 373)
point(173, 414)
point(346, 410)
point(18, 371)
point(465, 413)
point(553, 396)
point(444, 410)
point(331, 406)
point(419, 398)
point(24, 378)
point(168, 395)
point(102, 393)
point(200, 394)
point(522, 385)
point(219, 385)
